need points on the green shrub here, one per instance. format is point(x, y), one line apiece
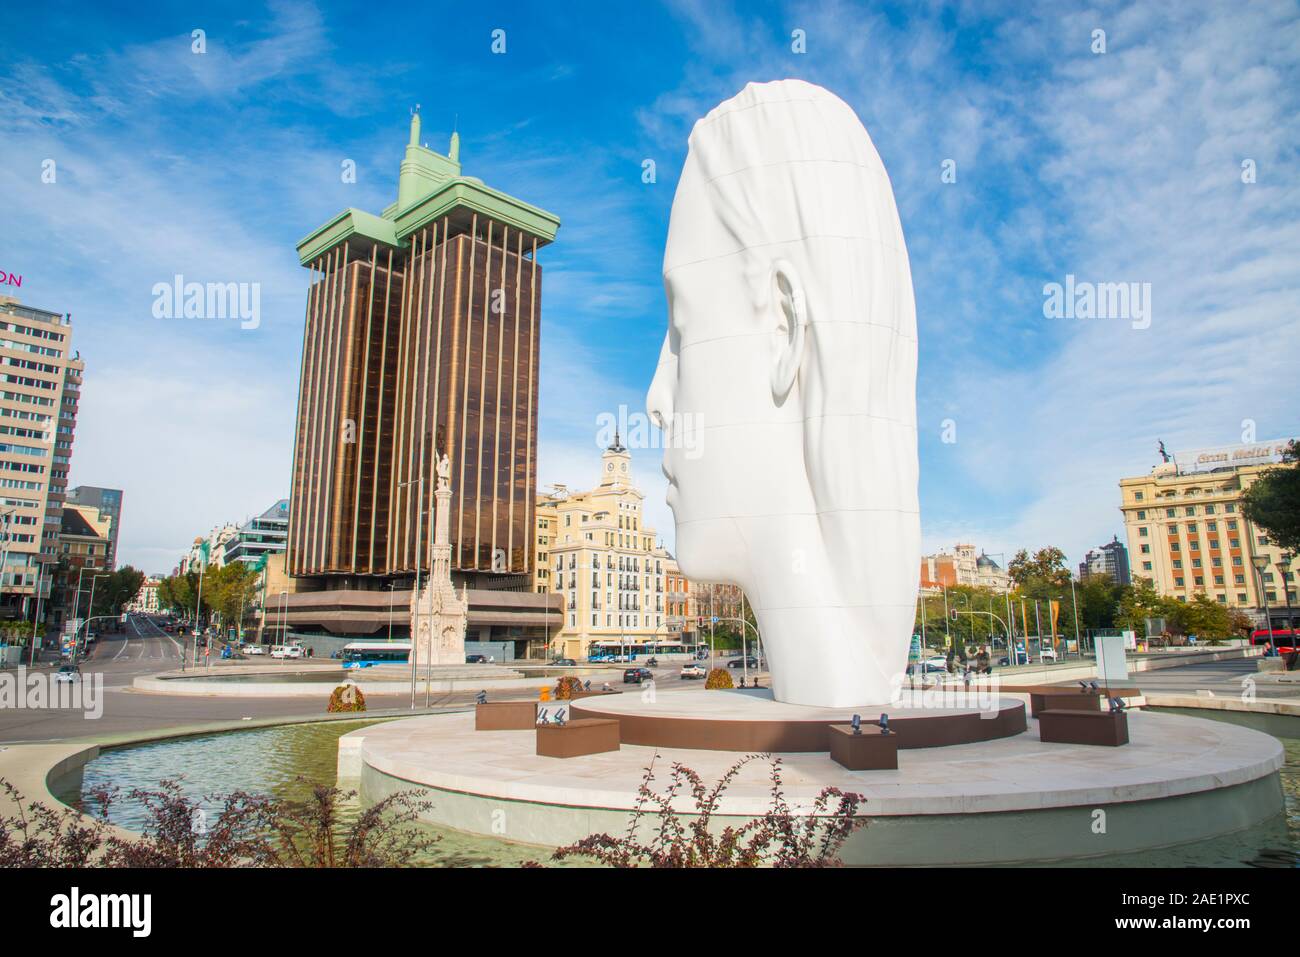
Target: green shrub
point(347, 697)
point(565, 687)
point(719, 678)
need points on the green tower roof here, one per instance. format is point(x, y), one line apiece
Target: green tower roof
point(429, 187)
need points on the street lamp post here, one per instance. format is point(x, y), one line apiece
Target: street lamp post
point(1261, 562)
point(40, 568)
point(1284, 565)
point(198, 604)
point(1074, 601)
point(947, 628)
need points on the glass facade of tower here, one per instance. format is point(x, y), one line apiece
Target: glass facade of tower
point(410, 351)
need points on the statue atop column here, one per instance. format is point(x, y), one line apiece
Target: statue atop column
point(438, 613)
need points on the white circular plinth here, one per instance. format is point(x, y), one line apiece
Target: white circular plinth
point(1180, 779)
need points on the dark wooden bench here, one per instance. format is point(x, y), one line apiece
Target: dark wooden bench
point(505, 716)
point(576, 738)
point(1105, 728)
point(868, 751)
point(1063, 699)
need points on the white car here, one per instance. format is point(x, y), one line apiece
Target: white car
point(294, 651)
point(253, 650)
point(693, 671)
point(67, 674)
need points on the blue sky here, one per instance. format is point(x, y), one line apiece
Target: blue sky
point(1122, 166)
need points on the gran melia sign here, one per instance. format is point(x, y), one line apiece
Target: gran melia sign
point(1205, 460)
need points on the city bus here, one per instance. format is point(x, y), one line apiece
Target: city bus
point(363, 654)
point(615, 651)
point(1283, 639)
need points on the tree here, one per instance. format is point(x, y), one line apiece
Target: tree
point(1273, 501)
point(231, 588)
point(1098, 598)
point(1141, 601)
point(1204, 618)
point(113, 593)
point(1042, 576)
point(178, 592)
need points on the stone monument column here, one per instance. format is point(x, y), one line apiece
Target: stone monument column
point(438, 614)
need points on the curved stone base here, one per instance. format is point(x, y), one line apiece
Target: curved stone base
point(1002, 801)
point(739, 720)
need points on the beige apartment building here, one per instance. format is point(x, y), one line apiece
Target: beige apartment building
point(40, 386)
point(595, 550)
point(1187, 534)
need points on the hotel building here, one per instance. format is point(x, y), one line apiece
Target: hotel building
point(40, 387)
point(1187, 534)
point(605, 563)
point(422, 338)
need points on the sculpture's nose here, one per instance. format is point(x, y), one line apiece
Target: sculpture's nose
point(659, 400)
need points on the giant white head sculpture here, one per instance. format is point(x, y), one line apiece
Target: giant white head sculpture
point(786, 388)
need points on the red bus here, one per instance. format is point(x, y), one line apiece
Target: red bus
point(1284, 639)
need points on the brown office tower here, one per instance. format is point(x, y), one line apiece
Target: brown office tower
point(422, 338)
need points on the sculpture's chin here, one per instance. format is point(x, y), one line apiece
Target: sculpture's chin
point(700, 555)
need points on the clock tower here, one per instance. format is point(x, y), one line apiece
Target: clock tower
point(616, 465)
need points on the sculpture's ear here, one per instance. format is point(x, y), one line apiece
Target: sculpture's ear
point(790, 324)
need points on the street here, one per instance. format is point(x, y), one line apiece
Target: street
point(143, 648)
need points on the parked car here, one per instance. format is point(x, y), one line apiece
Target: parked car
point(564, 662)
point(476, 659)
point(254, 650)
point(693, 671)
point(67, 674)
point(295, 651)
point(744, 661)
point(634, 676)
